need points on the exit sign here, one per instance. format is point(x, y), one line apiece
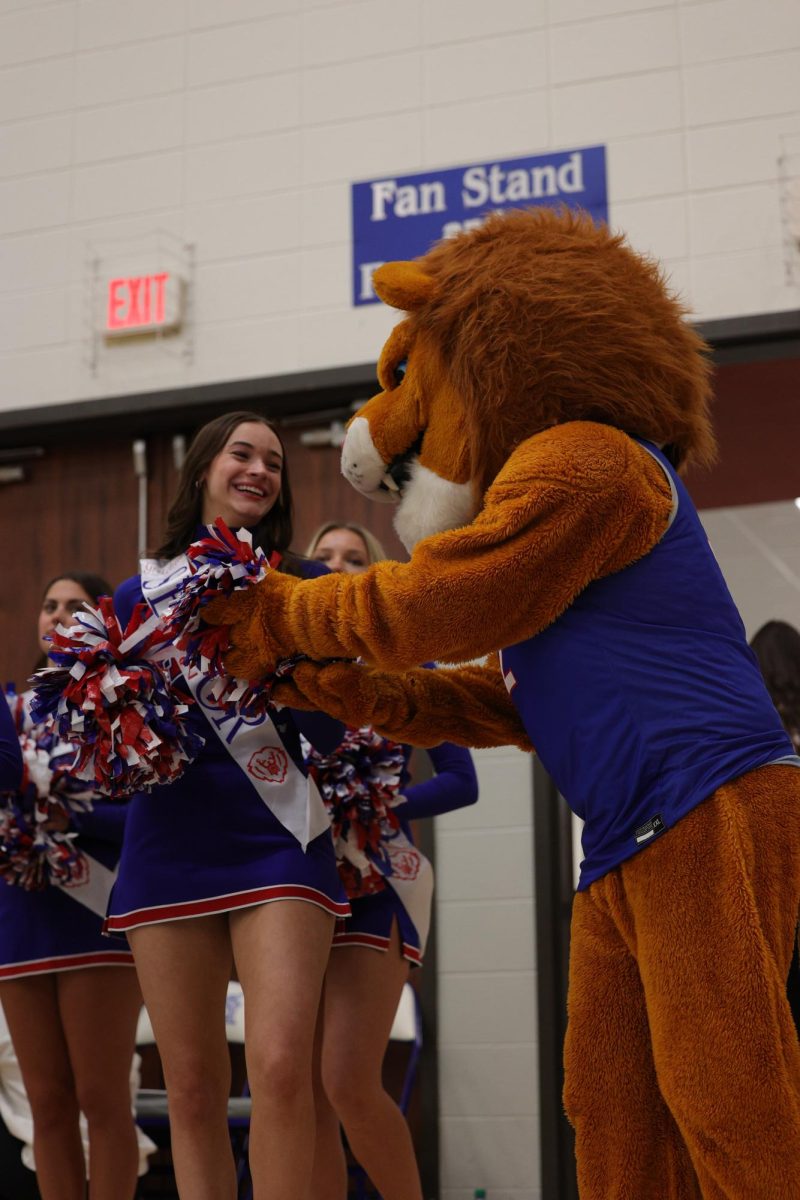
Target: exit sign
point(143, 304)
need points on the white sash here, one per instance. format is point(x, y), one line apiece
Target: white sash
point(411, 874)
point(93, 892)
point(253, 742)
point(412, 880)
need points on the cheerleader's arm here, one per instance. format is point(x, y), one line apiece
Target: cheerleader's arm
point(10, 755)
point(455, 785)
point(126, 597)
point(105, 821)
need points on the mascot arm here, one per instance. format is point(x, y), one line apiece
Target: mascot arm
point(468, 705)
point(571, 505)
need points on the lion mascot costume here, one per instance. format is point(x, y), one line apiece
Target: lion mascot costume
point(537, 401)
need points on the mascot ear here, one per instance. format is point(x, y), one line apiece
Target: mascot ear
point(404, 285)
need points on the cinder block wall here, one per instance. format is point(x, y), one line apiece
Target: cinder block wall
point(238, 125)
point(487, 1018)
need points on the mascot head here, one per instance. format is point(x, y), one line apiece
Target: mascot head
point(533, 319)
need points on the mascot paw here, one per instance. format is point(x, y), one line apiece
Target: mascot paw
point(335, 688)
point(255, 619)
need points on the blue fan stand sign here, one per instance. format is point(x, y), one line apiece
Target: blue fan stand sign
point(401, 217)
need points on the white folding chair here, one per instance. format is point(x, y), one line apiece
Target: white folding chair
point(407, 1027)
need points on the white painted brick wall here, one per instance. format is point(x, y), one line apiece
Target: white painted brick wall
point(36, 88)
point(239, 125)
point(26, 35)
point(252, 50)
point(620, 46)
point(152, 68)
point(38, 144)
point(487, 987)
point(127, 130)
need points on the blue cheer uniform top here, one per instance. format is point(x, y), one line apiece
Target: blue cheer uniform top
point(207, 843)
point(10, 754)
point(59, 928)
point(644, 697)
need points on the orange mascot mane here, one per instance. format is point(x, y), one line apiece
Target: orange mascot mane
point(543, 317)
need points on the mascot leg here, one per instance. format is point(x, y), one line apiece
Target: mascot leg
point(627, 1144)
point(709, 913)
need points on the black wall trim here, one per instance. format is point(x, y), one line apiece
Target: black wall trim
point(552, 854)
point(753, 339)
point(187, 407)
point(758, 327)
point(735, 339)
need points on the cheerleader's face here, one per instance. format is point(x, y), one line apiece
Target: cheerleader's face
point(342, 550)
point(243, 481)
point(62, 601)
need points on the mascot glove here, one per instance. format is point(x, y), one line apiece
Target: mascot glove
point(343, 690)
point(256, 616)
point(469, 706)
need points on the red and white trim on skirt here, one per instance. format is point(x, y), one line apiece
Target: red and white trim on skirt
point(374, 941)
point(67, 962)
point(183, 910)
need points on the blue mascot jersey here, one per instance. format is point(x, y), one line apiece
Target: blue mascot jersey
point(643, 697)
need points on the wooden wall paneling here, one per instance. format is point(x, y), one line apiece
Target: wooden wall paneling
point(322, 494)
point(75, 511)
point(756, 418)
point(162, 482)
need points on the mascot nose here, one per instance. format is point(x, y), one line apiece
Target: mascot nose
point(362, 465)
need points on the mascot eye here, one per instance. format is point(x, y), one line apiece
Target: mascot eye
point(399, 372)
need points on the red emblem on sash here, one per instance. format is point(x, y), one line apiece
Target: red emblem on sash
point(269, 764)
point(405, 861)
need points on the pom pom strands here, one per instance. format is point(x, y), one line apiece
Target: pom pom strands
point(360, 784)
point(31, 854)
point(221, 562)
point(118, 700)
point(48, 769)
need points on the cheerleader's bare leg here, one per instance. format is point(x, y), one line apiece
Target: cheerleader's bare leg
point(281, 950)
point(34, 1021)
point(184, 968)
point(362, 991)
point(99, 1011)
point(329, 1180)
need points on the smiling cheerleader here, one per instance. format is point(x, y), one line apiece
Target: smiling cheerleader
point(232, 864)
point(70, 996)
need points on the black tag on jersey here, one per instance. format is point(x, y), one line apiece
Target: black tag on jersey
point(650, 829)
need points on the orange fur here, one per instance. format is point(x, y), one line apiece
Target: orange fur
point(535, 344)
point(541, 317)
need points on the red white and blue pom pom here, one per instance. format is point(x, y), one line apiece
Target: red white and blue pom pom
point(360, 785)
point(18, 709)
point(118, 697)
point(221, 563)
point(31, 854)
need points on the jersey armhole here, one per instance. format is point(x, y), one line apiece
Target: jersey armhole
point(673, 512)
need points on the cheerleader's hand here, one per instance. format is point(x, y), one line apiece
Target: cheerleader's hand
point(58, 820)
point(254, 616)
